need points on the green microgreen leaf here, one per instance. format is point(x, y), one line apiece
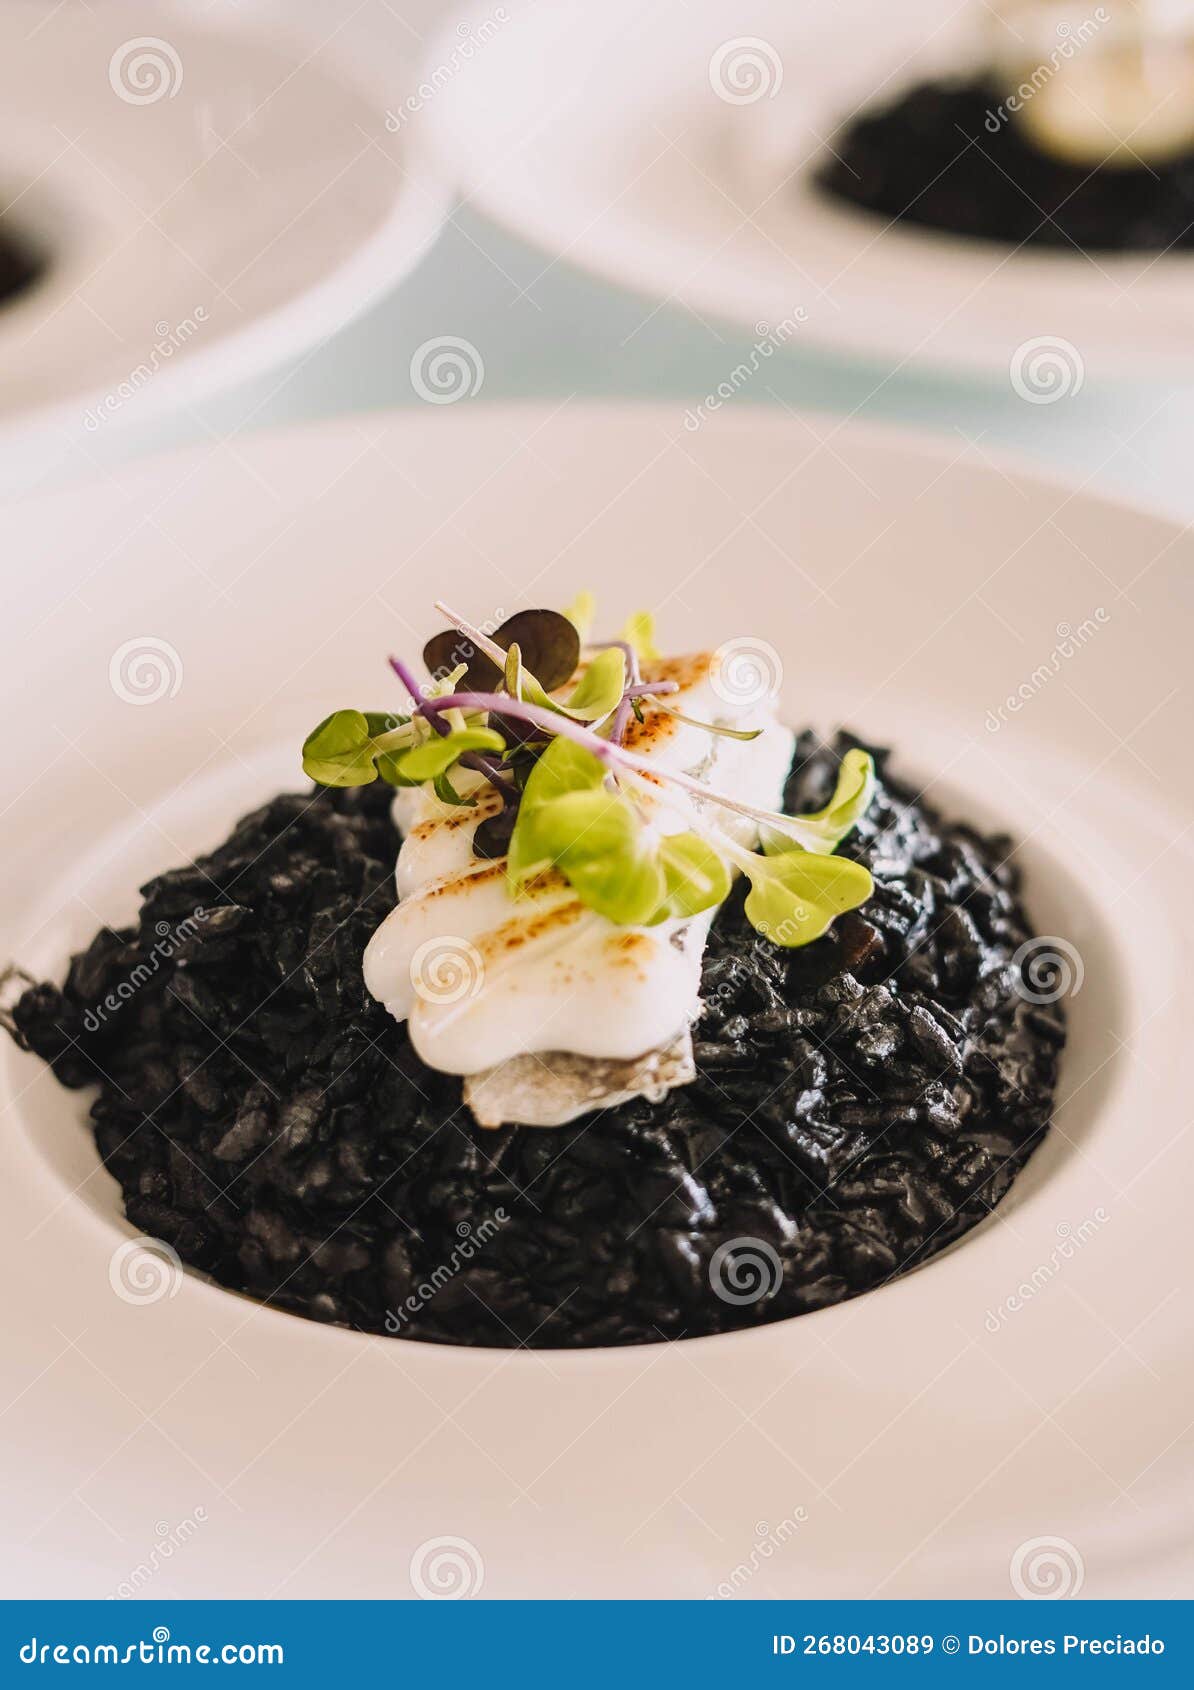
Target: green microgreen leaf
point(823, 830)
point(600, 846)
point(582, 613)
point(564, 767)
point(447, 794)
point(794, 897)
point(600, 688)
point(568, 819)
point(745, 734)
point(387, 768)
point(436, 756)
point(448, 683)
point(593, 698)
point(546, 831)
point(639, 634)
point(513, 675)
point(573, 815)
point(695, 876)
point(345, 748)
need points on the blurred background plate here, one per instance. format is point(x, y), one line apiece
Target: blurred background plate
point(209, 196)
point(670, 149)
point(1021, 644)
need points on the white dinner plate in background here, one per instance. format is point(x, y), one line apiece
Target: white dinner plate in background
point(670, 148)
point(212, 197)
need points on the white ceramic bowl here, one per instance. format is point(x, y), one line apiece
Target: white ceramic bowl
point(674, 153)
point(212, 198)
point(1033, 1383)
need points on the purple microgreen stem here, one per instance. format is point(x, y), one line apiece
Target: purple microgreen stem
point(639, 689)
point(613, 756)
point(610, 752)
point(648, 689)
point(502, 704)
point(621, 717)
point(632, 669)
point(496, 776)
point(418, 702)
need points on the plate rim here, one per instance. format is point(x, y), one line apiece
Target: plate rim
point(883, 433)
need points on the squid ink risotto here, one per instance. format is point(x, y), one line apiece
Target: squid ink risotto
point(668, 1022)
point(20, 266)
point(949, 156)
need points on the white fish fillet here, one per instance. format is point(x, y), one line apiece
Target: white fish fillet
point(547, 1010)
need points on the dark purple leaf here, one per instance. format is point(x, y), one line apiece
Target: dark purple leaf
point(549, 644)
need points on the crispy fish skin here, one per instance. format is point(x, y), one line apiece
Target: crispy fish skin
point(554, 1088)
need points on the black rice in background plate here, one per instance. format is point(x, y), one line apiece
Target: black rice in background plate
point(931, 157)
point(20, 266)
point(861, 1103)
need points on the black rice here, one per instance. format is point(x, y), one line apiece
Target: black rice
point(20, 266)
point(946, 156)
point(860, 1103)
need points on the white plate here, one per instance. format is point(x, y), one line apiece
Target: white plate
point(212, 200)
point(597, 132)
point(927, 1430)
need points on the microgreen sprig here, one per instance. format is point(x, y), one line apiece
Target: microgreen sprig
point(575, 797)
